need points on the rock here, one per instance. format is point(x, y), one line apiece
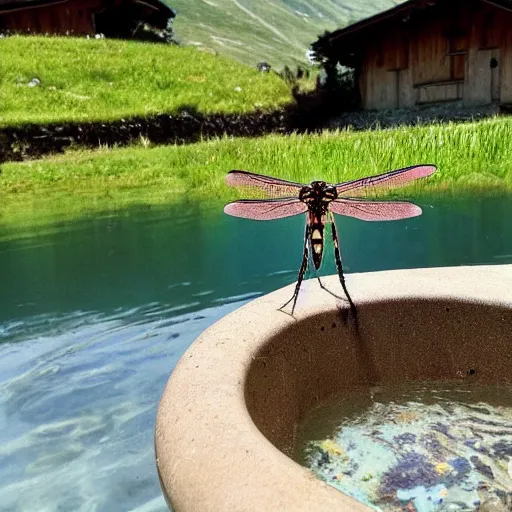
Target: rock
point(312, 56)
point(492, 505)
point(482, 468)
point(412, 471)
point(324, 459)
point(264, 67)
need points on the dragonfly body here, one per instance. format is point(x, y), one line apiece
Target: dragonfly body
point(317, 197)
point(319, 200)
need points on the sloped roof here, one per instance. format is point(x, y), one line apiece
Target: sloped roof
point(15, 5)
point(345, 38)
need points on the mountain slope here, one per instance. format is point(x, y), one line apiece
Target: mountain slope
point(276, 31)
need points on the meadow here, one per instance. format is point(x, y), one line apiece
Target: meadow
point(96, 79)
point(85, 80)
point(471, 157)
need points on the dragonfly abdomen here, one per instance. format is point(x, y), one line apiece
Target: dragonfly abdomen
point(316, 237)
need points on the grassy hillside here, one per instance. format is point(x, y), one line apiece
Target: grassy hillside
point(107, 79)
point(277, 31)
point(471, 156)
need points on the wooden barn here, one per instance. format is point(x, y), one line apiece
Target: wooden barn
point(113, 18)
point(428, 51)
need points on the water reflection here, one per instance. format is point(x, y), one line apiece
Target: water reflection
point(182, 256)
point(94, 316)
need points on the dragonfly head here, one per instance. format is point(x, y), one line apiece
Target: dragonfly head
point(318, 191)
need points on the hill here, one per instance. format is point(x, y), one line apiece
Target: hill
point(276, 31)
point(87, 80)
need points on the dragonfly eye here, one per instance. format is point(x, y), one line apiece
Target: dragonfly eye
point(330, 193)
point(306, 194)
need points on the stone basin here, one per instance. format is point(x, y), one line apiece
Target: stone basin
point(227, 421)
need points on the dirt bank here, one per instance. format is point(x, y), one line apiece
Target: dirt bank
point(307, 114)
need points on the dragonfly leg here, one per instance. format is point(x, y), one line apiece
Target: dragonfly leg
point(338, 264)
point(302, 271)
point(322, 285)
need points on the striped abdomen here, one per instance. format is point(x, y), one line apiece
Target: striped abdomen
point(316, 225)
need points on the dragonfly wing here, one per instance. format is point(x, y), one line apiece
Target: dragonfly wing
point(270, 209)
point(275, 187)
point(374, 210)
point(387, 180)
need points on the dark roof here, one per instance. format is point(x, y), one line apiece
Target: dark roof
point(345, 38)
point(157, 5)
point(15, 5)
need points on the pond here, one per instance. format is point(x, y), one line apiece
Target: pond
point(95, 314)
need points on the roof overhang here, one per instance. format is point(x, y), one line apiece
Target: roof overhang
point(14, 6)
point(7, 6)
point(345, 43)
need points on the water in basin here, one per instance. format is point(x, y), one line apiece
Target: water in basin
point(423, 447)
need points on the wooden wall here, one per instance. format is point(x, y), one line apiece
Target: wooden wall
point(73, 16)
point(505, 67)
point(446, 57)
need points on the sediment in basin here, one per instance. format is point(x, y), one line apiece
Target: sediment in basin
point(422, 445)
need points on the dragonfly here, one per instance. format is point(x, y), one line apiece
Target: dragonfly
point(319, 201)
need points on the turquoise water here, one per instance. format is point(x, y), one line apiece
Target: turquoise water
point(94, 316)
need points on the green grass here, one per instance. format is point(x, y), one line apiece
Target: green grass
point(84, 80)
point(470, 157)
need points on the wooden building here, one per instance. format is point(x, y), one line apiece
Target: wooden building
point(113, 18)
point(428, 51)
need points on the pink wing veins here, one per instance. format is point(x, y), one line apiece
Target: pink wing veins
point(266, 209)
point(389, 179)
point(274, 187)
point(374, 210)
